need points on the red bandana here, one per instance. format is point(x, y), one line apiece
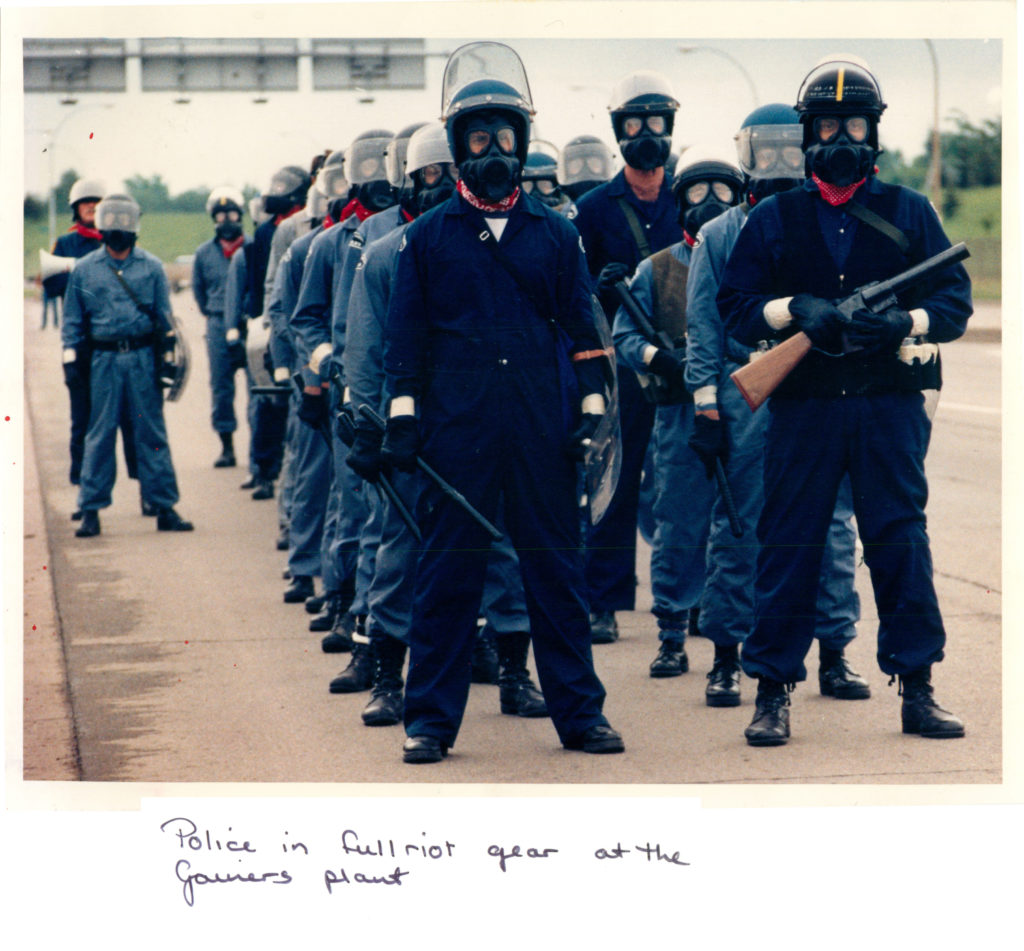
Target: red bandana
point(836, 194)
point(327, 222)
point(287, 214)
point(230, 247)
point(357, 208)
point(85, 231)
point(505, 204)
point(407, 216)
point(690, 241)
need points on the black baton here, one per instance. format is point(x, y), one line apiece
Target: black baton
point(447, 488)
point(727, 499)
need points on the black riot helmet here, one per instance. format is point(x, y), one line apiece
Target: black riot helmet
point(769, 146)
point(643, 109)
point(364, 161)
point(486, 108)
point(584, 163)
point(840, 104)
point(707, 182)
point(540, 178)
point(287, 190)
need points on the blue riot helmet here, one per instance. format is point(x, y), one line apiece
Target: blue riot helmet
point(287, 190)
point(486, 108)
point(540, 177)
point(428, 162)
point(333, 184)
point(643, 110)
point(364, 161)
point(769, 150)
point(707, 182)
point(840, 104)
point(584, 163)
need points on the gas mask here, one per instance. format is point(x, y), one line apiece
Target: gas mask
point(702, 201)
point(645, 142)
point(119, 240)
point(432, 185)
point(841, 152)
point(545, 190)
point(491, 167)
point(227, 225)
point(376, 195)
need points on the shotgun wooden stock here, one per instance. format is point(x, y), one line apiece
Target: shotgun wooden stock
point(758, 379)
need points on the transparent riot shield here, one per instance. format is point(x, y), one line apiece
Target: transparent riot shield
point(495, 62)
point(602, 461)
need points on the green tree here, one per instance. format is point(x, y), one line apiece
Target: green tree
point(151, 193)
point(63, 191)
point(972, 155)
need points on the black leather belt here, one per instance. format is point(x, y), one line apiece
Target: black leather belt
point(124, 344)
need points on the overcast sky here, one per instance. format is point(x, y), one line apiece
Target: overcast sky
point(226, 138)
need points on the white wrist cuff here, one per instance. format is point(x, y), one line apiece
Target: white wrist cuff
point(593, 403)
point(403, 406)
point(281, 374)
point(70, 355)
point(232, 336)
point(648, 355)
point(921, 322)
point(776, 313)
point(318, 355)
point(706, 395)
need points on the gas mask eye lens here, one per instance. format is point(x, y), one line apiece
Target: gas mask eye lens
point(723, 191)
point(656, 124)
point(506, 139)
point(431, 174)
point(596, 165)
point(764, 158)
point(632, 125)
point(477, 141)
point(857, 128)
point(368, 168)
point(793, 157)
point(546, 186)
point(697, 192)
point(826, 128)
point(527, 187)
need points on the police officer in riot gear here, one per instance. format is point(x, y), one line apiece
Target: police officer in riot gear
point(708, 183)
point(854, 405)
point(583, 164)
point(540, 179)
point(725, 431)
point(475, 372)
point(622, 222)
point(118, 307)
point(225, 206)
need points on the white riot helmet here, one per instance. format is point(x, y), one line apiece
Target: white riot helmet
point(428, 145)
point(316, 205)
point(86, 189)
point(643, 108)
point(225, 198)
point(331, 180)
point(118, 213)
point(396, 157)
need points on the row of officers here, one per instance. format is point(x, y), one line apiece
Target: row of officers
point(436, 390)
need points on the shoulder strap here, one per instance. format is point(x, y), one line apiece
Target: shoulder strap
point(877, 222)
point(642, 244)
point(150, 312)
point(487, 238)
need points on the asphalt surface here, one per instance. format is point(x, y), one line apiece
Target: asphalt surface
point(171, 658)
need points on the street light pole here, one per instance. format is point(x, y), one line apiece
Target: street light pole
point(732, 59)
point(935, 170)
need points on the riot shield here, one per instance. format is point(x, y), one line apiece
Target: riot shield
point(177, 362)
point(257, 342)
point(602, 461)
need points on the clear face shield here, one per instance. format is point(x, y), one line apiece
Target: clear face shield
point(394, 163)
point(118, 214)
point(332, 182)
point(476, 61)
point(365, 161)
point(771, 151)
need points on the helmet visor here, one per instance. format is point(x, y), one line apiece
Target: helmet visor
point(479, 141)
point(476, 61)
point(771, 151)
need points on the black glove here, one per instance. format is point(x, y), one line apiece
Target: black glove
point(401, 440)
point(879, 333)
point(345, 422)
point(820, 320)
point(268, 363)
point(313, 409)
point(236, 355)
point(668, 368)
point(610, 274)
point(708, 441)
point(74, 379)
point(575, 448)
point(364, 456)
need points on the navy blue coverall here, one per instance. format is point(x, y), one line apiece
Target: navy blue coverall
point(100, 314)
point(611, 544)
point(856, 414)
point(497, 401)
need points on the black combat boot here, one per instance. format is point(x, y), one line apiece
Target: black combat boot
point(226, 459)
point(358, 676)
point(671, 660)
point(339, 640)
point(484, 662)
point(837, 679)
point(604, 629)
point(302, 587)
point(770, 726)
point(90, 524)
point(386, 700)
point(723, 689)
point(921, 714)
point(264, 489)
point(167, 520)
point(324, 610)
point(518, 695)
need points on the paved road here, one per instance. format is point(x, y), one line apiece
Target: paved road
point(182, 663)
